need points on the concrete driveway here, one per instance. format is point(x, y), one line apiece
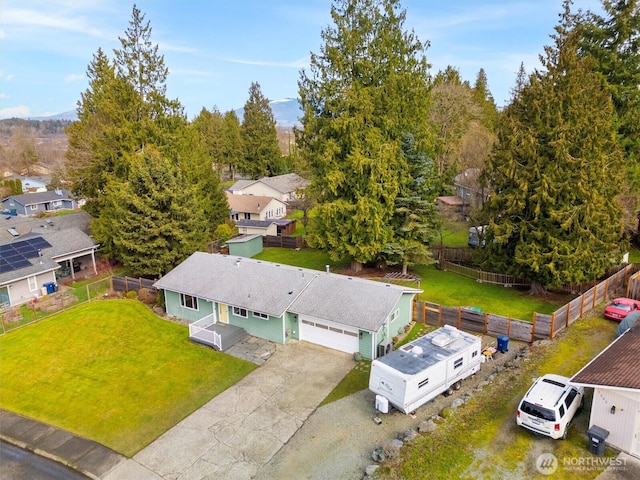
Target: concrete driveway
point(239, 431)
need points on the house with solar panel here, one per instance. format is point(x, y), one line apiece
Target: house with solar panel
point(31, 263)
point(225, 298)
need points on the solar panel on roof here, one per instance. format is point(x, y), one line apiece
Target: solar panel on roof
point(16, 255)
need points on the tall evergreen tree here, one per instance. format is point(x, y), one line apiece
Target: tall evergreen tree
point(100, 136)
point(262, 155)
point(146, 174)
point(415, 219)
point(232, 151)
point(614, 41)
point(483, 97)
point(554, 218)
point(141, 66)
point(367, 86)
point(157, 215)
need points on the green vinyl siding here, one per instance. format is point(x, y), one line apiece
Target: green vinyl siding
point(366, 345)
point(404, 307)
point(270, 329)
point(291, 326)
point(173, 307)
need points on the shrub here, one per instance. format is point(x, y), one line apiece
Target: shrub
point(132, 294)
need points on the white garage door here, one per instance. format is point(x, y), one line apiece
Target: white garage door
point(329, 334)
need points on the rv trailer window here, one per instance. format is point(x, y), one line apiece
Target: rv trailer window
point(422, 383)
point(474, 354)
point(457, 363)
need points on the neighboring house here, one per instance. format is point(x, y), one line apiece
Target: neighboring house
point(282, 187)
point(32, 261)
point(469, 189)
point(40, 202)
point(254, 207)
point(281, 302)
point(12, 227)
point(274, 227)
point(32, 184)
point(614, 376)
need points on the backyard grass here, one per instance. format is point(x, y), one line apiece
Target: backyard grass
point(111, 371)
point(481, 440)
point(304, 258)
point(451, 290)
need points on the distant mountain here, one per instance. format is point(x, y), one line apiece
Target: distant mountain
point(287, 112)
point(70, 116)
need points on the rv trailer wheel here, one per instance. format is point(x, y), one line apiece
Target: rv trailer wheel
point(448, 391)
point(457, 385)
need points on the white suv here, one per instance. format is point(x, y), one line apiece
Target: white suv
point(549, 406)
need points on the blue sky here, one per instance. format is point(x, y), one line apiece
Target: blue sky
point(216, 48)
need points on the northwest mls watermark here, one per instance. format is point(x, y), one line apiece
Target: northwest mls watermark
point(548, 463)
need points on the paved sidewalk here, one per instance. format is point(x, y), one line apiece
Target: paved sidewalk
point(240, 430)
point(85, 456)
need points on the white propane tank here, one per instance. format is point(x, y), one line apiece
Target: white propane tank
point(382, 404)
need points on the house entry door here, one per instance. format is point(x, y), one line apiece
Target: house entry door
point(223, 311)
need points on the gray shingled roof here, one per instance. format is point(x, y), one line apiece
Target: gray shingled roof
point(24, 225)
point(274, 289)
point(285, 183)
point(616, 366)
point(357, 302)
point(63, 242)
point(41, 197)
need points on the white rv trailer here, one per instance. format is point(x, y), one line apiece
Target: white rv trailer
point(421, 370)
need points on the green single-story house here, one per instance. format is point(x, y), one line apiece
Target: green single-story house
point(217, 293)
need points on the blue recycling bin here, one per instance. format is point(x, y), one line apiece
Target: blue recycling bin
point(503, 343)
point(51, 287)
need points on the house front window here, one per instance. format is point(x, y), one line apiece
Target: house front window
point(33, 207)
point(240, 312)
point(187, 301)
point(247, 216)
point(261, 315)
point(33, 285)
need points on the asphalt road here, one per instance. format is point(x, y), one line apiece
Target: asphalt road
point(18, 464)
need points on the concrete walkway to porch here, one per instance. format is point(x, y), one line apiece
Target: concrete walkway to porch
point(240, 430)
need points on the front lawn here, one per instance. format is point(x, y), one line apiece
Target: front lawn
point(111, 371)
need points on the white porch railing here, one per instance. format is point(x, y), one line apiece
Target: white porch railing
point(198, 330)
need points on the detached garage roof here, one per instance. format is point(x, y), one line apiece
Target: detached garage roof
point(616, 366)
point(274, 289)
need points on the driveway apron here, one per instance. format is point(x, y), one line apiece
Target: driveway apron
point(236, 433)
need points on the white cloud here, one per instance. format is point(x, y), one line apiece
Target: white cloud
point(21, 17)
point(19, 111)
point(2, 95)
point(74, 77)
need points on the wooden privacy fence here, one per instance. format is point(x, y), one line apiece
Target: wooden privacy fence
point(540, 327)
point(485, 277)
point(128, 284)
point(284, 241)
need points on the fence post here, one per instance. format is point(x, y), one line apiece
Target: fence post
point(566, 323)
point(439, 315)
point(459, 316)
point(508, 326)
point(533, 327)
point(486, 321)
point(552, 327)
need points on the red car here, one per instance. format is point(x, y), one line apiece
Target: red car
point(620, 307)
